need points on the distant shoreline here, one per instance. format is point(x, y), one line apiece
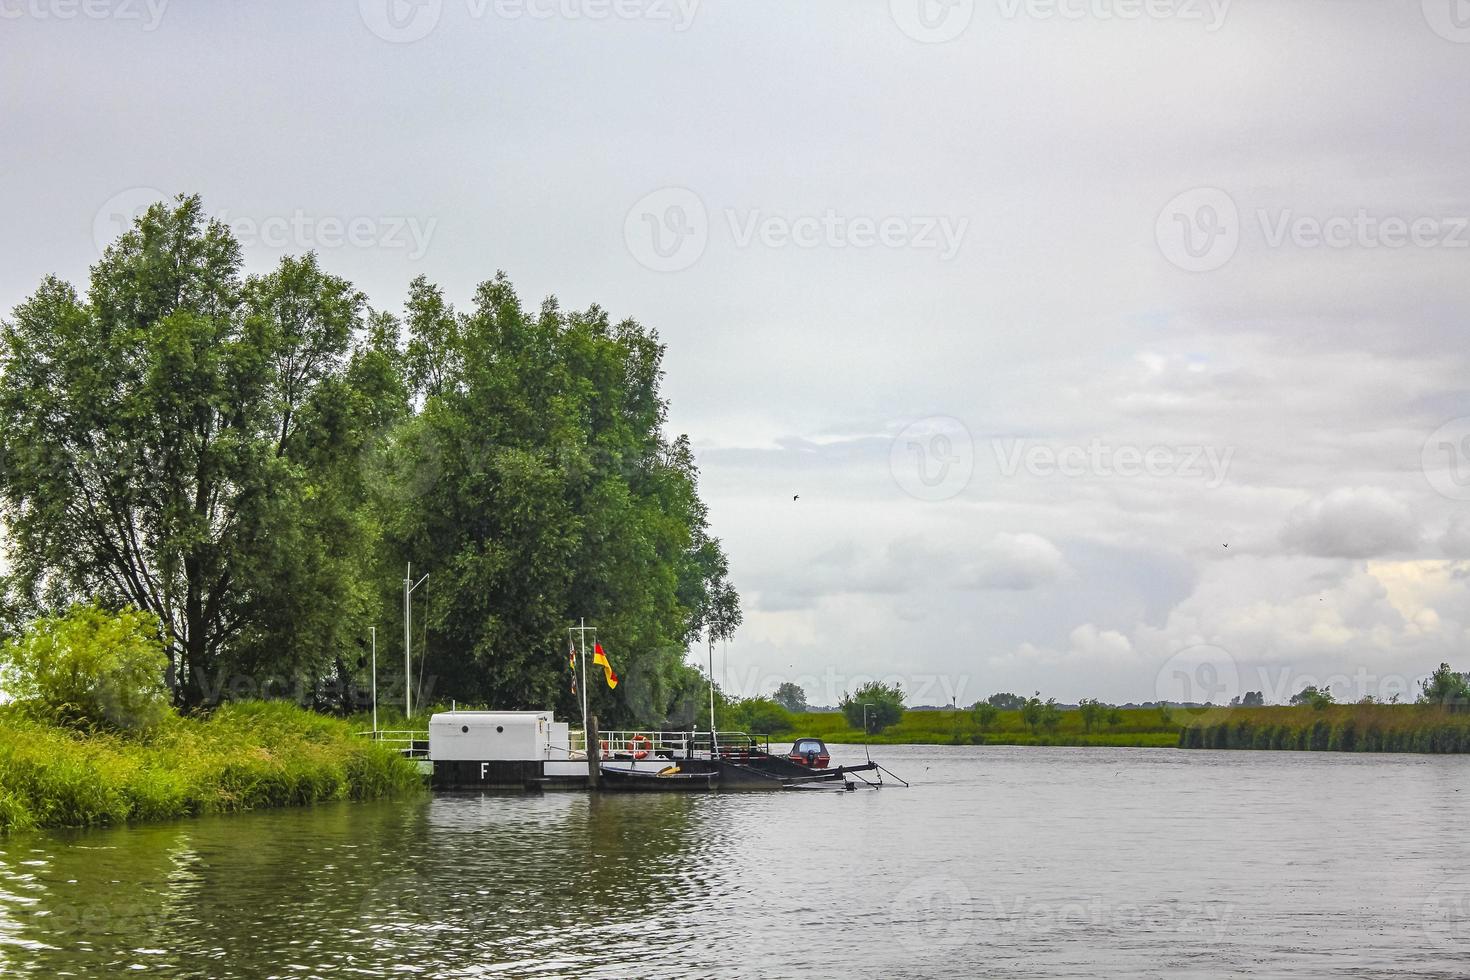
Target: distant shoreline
point(1404, 728)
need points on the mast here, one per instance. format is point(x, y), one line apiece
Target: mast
point(714, 739)
point(408, 586)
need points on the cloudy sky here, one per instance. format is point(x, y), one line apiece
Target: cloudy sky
point(1038, 305)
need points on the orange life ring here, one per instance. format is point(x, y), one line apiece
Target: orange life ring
point(638, 745)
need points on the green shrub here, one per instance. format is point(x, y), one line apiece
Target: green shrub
point(884, 706)
point(89, 669)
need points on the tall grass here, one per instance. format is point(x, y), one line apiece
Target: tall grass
point(1335, 728)
point(244, 756)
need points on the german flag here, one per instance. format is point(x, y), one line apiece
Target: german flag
point(599, 657)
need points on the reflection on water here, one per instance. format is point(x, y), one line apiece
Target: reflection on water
point(999, 862)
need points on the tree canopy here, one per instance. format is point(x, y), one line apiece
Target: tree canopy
point(252, 460)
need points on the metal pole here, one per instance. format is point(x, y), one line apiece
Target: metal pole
point(374, 631)
point(582, 634)
point(714, 739)
point(407, 629)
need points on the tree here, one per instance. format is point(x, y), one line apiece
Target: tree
point(1446, 687)
point(760, 716)
point(1032, 711)
point(1006, 702)
point(1253, 699)
point(1309, 695)
point(551, 493)
point(985, 714)
point(791, 697)
point(884, 706)
point(1091, 710)
point(1051, 715)
point(89, 669)
point(178, 441)
point(1114, 718)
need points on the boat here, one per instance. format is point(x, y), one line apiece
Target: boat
point(531, 750)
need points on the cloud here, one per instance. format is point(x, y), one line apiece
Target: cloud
point(1017, 562)
point(1365, 522)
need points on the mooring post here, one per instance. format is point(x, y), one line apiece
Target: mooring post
point(594, 753)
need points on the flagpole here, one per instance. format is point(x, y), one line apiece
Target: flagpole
point(582, 633)
point(714, 740)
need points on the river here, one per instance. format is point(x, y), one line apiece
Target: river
point(998, 862)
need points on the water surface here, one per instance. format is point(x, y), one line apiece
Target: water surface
point(999, 862)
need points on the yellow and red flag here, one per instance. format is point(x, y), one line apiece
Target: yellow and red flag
point(599, 657)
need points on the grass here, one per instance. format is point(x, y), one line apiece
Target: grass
point(1139, 727)
point(1334, 728)
point(244, 756)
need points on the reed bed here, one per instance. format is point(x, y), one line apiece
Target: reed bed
point(244, 756)
point(1140, 727)
point(1333, 728)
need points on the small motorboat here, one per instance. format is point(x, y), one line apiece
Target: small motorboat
point(810, 752)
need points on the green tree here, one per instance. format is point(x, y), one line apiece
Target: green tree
point(177, 441)
point(1114, 718)
point(985, 714)
point(1032, 711)
point(1051, 715)
point(89, 669)
point(1006, 702)
point(1310, 695)
point(549, 492)
point(884, 706)
point(791, 697)
point(759, 716)
point(1447, 687)
point(1091, 710)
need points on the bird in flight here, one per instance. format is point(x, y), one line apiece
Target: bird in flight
point(796, 496)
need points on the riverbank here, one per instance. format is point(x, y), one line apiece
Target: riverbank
point(1134, 728)
point(1417, 728)
point(1423, 728)
point(245, 756)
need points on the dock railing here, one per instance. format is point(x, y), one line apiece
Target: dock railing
point(410, 744)
point(677, 744)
